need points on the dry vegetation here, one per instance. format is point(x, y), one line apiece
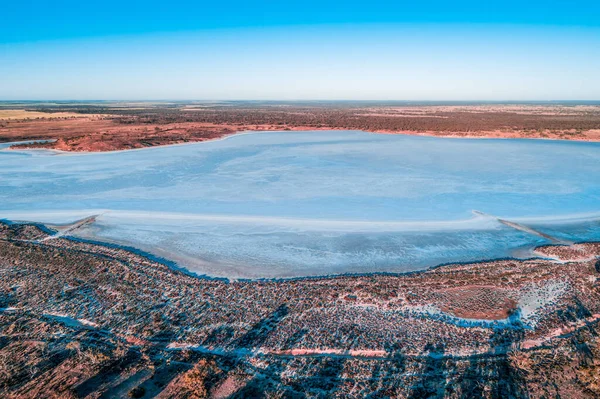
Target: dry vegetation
point(81, 320)
point(84, 320)
point(116, 126)
point(24, 115)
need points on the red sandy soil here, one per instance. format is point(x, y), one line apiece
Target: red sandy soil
point(330, 351)
point(97, 134)
point(569, 253)
point(588, 135)
point(561, 331)
point(108, 133)
point(477, 302)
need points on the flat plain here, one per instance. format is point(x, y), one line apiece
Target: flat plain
point(115, 125)
point(84, 315)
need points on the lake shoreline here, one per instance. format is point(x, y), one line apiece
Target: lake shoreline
point(283, 205)
point(60, 147)
point(176, 267)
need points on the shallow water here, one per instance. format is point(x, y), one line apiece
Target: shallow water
point(285, 204)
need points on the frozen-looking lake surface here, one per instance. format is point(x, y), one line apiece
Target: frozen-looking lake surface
point(283, 204)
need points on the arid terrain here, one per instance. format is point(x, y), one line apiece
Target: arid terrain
point(85, 320)
point(115, 126)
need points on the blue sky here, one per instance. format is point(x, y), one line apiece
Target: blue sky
point(462, 50)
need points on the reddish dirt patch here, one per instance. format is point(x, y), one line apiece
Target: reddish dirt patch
point(477, 302)
point(92, 134)
point(52, 128)
point(573, 253)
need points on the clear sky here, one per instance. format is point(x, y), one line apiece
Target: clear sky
point(379, 50)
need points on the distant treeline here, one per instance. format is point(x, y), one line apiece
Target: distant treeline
point(349, 117)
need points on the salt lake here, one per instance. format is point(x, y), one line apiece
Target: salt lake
point(289, 204)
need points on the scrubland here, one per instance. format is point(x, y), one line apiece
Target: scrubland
point(114, 126)
point(84, 320)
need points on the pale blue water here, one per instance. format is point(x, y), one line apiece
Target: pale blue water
point(286, 204)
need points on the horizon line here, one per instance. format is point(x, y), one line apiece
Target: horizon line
point(508, 101)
